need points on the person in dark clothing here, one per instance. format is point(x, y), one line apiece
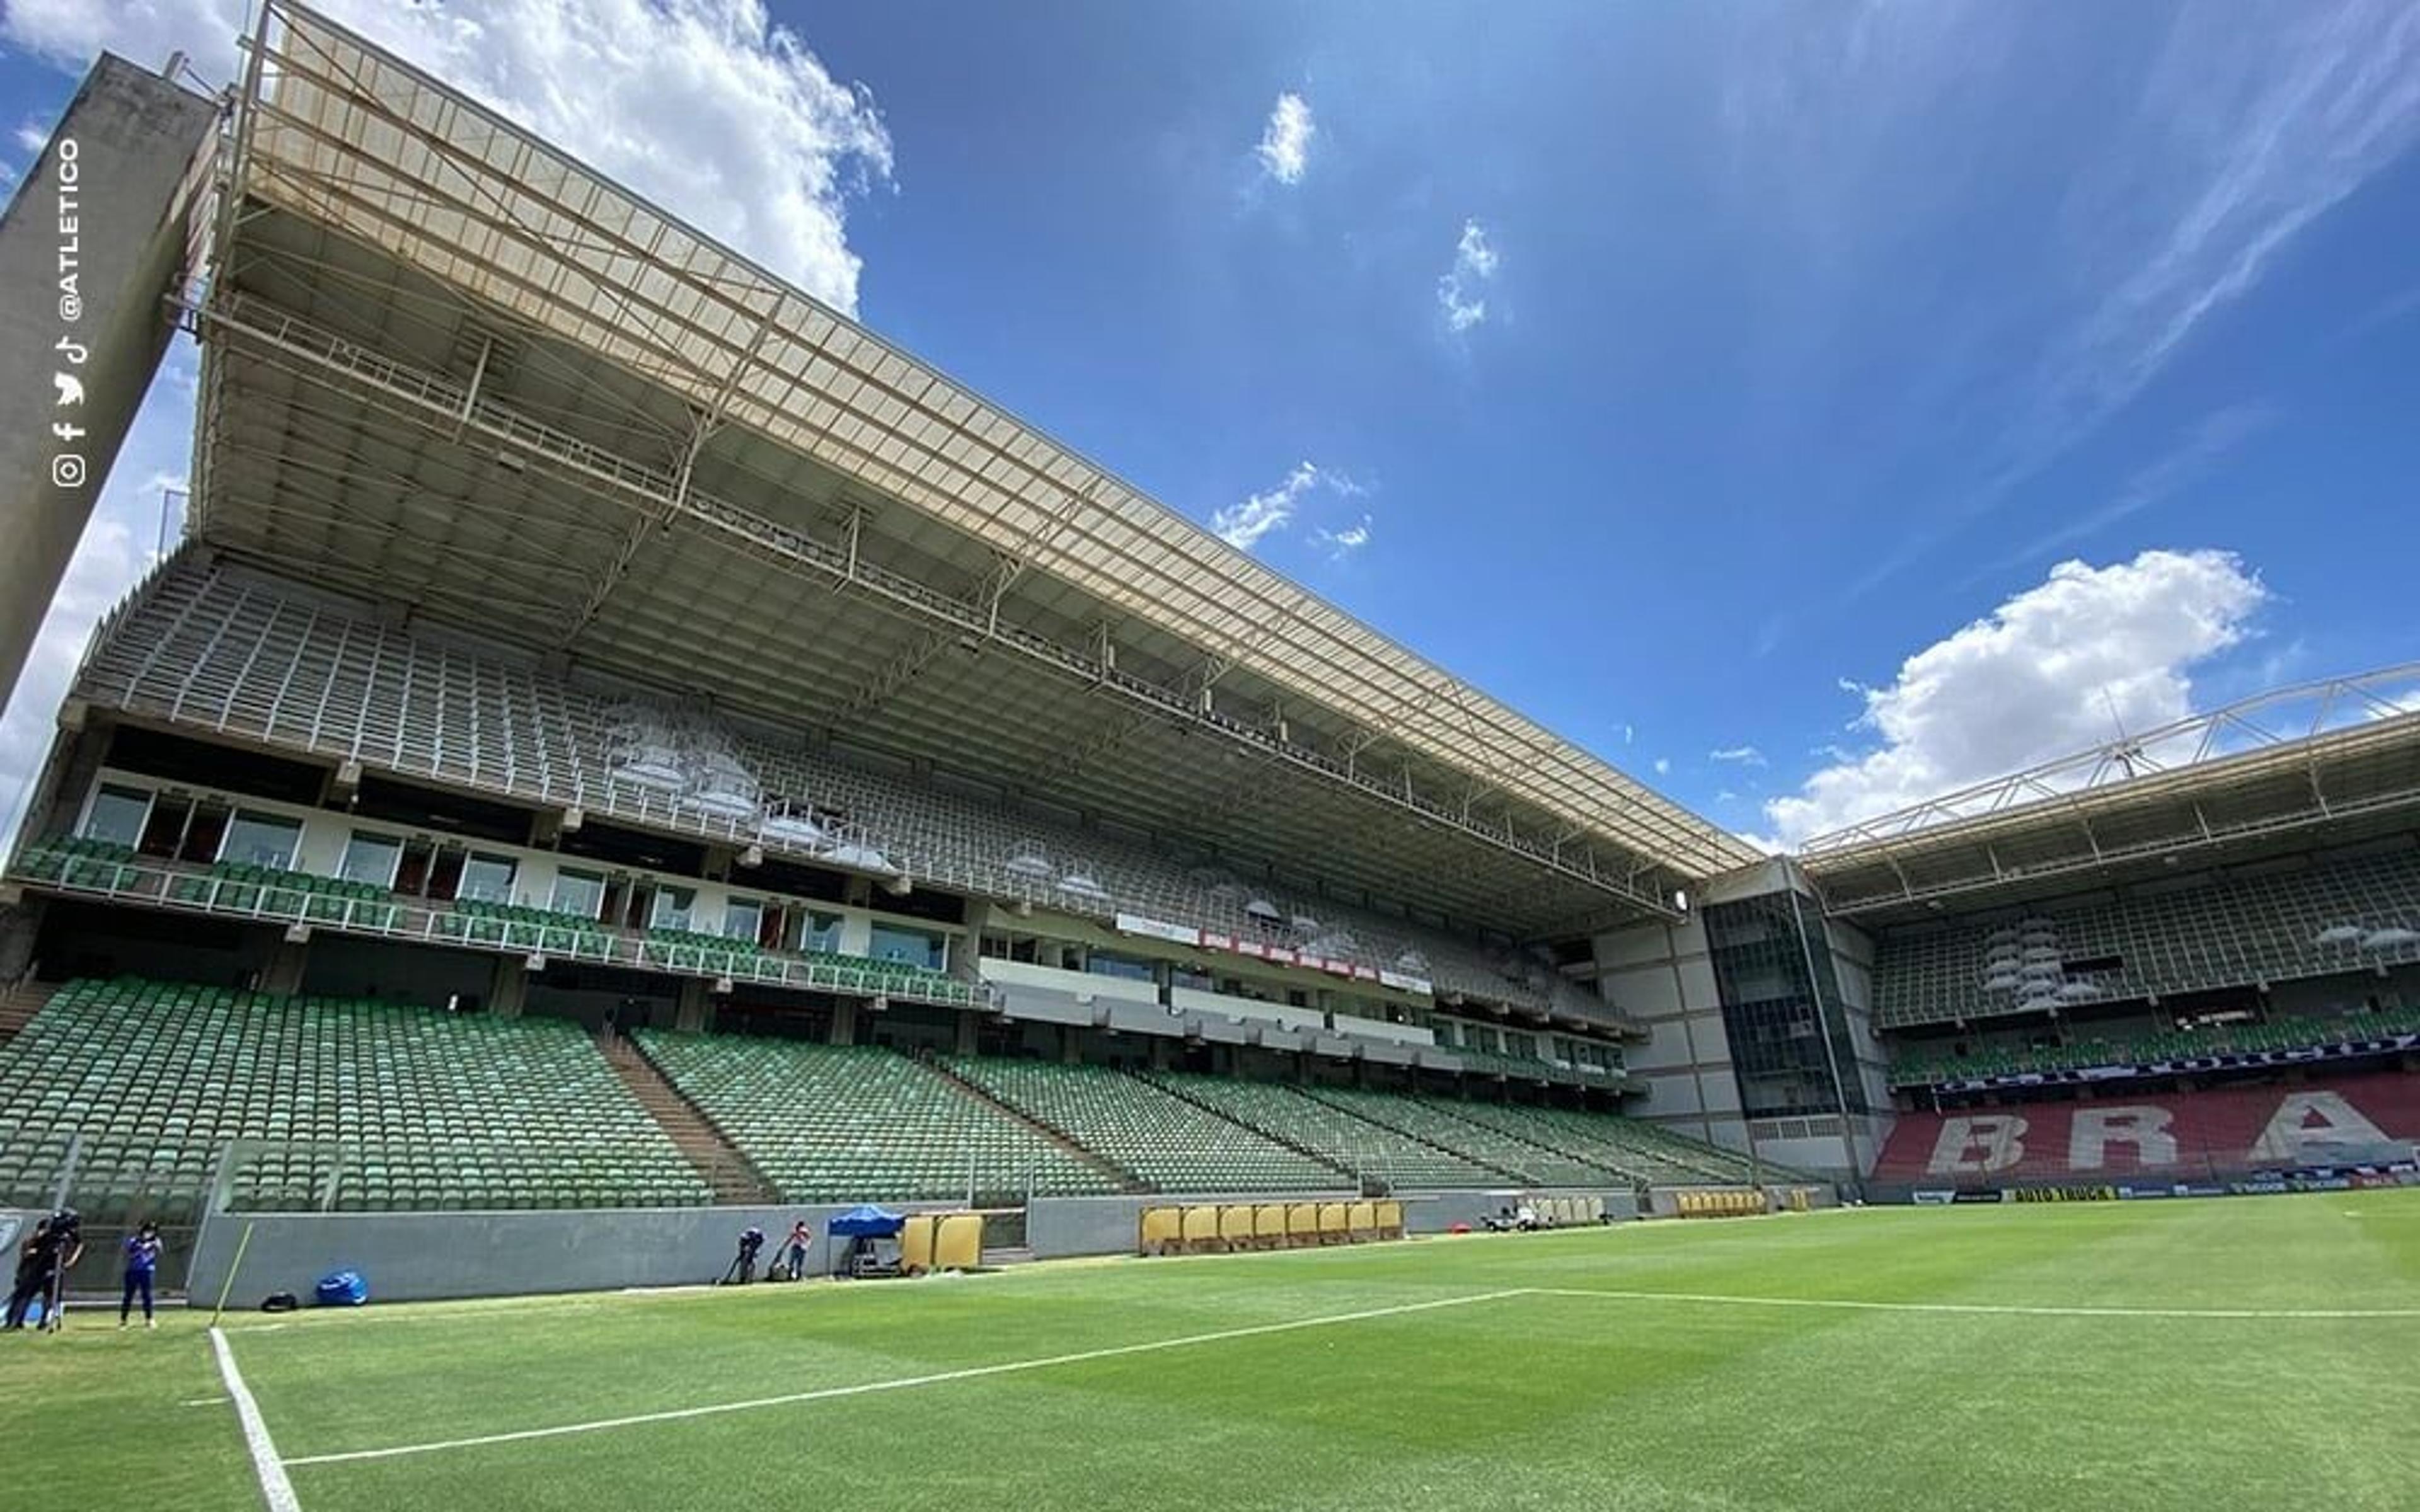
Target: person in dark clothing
point(141, 1262)
point(57, 1243)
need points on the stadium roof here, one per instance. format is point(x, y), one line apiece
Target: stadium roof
point(2322, 763)
point(448, 365)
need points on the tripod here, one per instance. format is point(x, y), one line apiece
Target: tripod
point(742, 1269)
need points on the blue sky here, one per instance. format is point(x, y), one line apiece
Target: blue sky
point(1725, 386)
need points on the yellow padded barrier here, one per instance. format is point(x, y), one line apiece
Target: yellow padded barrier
point(1594, 1212)
point(916, 1243)
point(1332, 1226)
point(1361, 1220)
point(1302, 1223)
point(1201, 1228)
point(1163, 1229)
point(1268, 1224)
point(1390, 1219)
point(958, 1242)
point(1235, 1226)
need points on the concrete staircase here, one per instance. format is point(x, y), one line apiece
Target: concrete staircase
point(1124, 1178)
point(735, 1180)
point(19, 1003)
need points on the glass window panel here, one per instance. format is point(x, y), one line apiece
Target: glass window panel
point(578, 892)
point(260, 839)
point(742, 918)
point(674, 908)
point(488, 879)
point(822, 932)
point(117, 815)
point(907, 947)
point(371, 859)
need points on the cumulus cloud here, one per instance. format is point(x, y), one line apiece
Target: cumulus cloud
point(1243, 525)
point(1284, 149)
point(1740, 755)
point(2055, 669)
point(707, 107)
point(1461, 292)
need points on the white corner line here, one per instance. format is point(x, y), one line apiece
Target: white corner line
point(862, 1388)
point(1981, 1308)
point(276, 1488)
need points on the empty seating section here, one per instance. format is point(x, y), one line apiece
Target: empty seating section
point(830, 1123)
point(2351, 914)
point(1351, 1143)
point(1166, 1141)
point(241, 652)
point(1638, 1152)
point(1439, 1123)
point(1916, 1067)
point(404, 1108)
point(2329, 1121)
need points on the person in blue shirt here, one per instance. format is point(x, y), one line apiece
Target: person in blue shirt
point(141, 1262)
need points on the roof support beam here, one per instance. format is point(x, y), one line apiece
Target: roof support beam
point(982, 601)
point(434, 401)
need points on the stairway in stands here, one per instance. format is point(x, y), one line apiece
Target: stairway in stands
point(735, 1182)
point(1124, 1178)
point(18, 1004)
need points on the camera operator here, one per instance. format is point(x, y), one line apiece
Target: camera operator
point(743, 1265)
point(57, 1243)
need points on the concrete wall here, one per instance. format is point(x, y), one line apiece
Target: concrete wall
point(412, 1257)
point(416, 1257)
point(90, 244)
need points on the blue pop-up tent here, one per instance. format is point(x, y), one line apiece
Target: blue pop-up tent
point(867, 1220)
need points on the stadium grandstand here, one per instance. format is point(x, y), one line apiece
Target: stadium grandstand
point(617, 734)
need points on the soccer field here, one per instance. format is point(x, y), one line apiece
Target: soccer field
point(2201, 1355)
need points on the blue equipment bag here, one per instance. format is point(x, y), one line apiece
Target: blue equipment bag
point(346, 1288)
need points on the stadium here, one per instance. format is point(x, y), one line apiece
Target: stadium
point(623, 756)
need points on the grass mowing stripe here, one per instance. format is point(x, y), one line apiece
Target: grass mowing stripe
point(276, 1488)
point(868, 1387)
point(2007, 1309)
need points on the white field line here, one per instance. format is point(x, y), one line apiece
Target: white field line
point(906, 1382)
point(276, 1488)
point(1981, 1308)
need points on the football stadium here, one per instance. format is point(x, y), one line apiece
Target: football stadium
point(623, 760)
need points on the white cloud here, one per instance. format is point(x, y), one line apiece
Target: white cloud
point(707, 107)
point(2056, 669)
point(1284, 149)
point(1663, 766)
point(1742, 755)
point(1461, 292)
point(1342, 544)
point(1242, 526)
point(33, 138)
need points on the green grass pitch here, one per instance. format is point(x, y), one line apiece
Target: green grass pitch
point(2215, 1354)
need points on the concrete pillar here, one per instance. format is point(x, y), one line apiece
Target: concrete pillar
point(285, 973)
point(1071, 1045)
point(693, 1011)
point(966, 1044)
point(844, 1029)
point(509, 987)
point(21, 925)
point(91, 244)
